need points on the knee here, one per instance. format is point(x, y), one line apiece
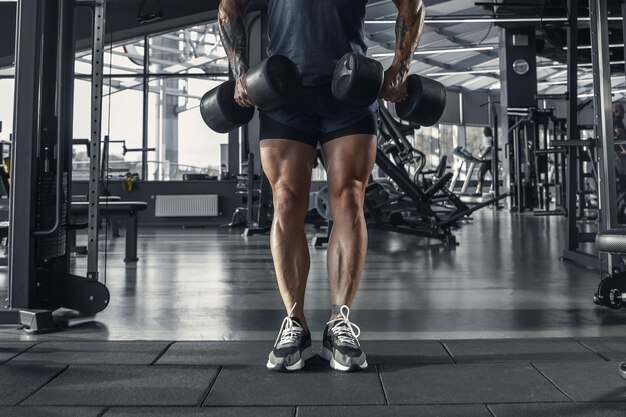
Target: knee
point(349, 198)
point(288, 202)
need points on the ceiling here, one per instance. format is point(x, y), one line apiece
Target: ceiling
point(479, 69)
point(447, 51)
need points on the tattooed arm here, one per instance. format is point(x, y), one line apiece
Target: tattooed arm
point(232, 27)
point(409, 26)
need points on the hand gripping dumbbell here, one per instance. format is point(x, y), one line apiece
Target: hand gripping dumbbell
point(270, 85)
point(358, 80)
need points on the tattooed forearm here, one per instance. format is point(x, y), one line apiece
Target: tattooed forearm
point(233, 33)
point(409, 26)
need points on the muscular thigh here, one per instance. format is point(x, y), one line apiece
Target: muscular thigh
point(349, 160)
point(287, 164)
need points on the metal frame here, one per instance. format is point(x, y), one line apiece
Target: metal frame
point(146, 103)
point(26, 126)
point(93, 220)
point(601, 58)
point(39, 263)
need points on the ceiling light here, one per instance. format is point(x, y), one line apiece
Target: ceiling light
point(614, 92)
point(479, 19)
point(468, 72)
point(615, 45)
point(497, 70)
point(440, 51)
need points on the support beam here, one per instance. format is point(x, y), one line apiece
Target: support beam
point(25, 127)
point(572, 127)
point(97, 78)
point(601, 57)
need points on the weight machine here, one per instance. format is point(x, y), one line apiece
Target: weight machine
point(39, 249)
point(398, 203)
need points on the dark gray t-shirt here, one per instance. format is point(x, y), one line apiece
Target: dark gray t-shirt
point(315, 34)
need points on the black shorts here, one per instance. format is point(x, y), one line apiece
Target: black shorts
point(317, 116)
point(484, 167)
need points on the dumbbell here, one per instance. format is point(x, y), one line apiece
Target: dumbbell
point(270, 85)
point(358, 80)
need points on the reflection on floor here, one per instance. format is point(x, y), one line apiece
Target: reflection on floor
point(504, 280)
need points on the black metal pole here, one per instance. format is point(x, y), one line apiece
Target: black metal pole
point(495, 173)
point(146, 103)
point(572, 125)
point(624, 30)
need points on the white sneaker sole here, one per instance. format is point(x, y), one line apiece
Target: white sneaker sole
point(327, 354)
point(304, 356)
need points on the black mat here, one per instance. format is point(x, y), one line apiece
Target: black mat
point(91, 353)
point(516, 350)
point(405, 351)
point(24, 411)
point(216, 353)
point(10, 349)
point(560, 410)
point(316, 385)
point(467, 384)
point(127, 386)
point(397, 411)
point(202, 412)
point(587, 381)
point(19, 381)
point(255, 353)
point(613, 348)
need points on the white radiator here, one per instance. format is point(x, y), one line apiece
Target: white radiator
point(186, 205)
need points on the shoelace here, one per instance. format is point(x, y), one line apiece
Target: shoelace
point(346, 331)
point(289, 331)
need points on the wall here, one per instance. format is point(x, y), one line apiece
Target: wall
point(476, 108)
point(121, 21)
point(452, 112)
point(146, 191)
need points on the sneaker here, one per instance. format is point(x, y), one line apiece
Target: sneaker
point(341, 344)
point(292, 347)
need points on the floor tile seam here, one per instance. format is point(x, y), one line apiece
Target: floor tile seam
point(20, 353)
point(381, 384)
point(448, 351)
point(480, 403)
point(163, 352)
point(56, 375)
point(583, 402)
point(551, 382)
point(489, 410)
point(298, 406)
point(596, 353)
point(211, 385)
point(234, 406)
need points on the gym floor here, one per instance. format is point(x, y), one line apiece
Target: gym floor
point(497, 326)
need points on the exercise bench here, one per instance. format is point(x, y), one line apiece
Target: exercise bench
point(122, 209)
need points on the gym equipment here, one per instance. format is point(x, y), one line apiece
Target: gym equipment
point(256, 215)
point(271, 84)
point(40, 280)
point(612, 288)
point(425, 102)
point(467, 158)
point(321, 203)
point(359, 79)
point(401, 205)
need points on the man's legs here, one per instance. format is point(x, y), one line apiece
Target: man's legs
point(349, 161)
point(287, 165)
